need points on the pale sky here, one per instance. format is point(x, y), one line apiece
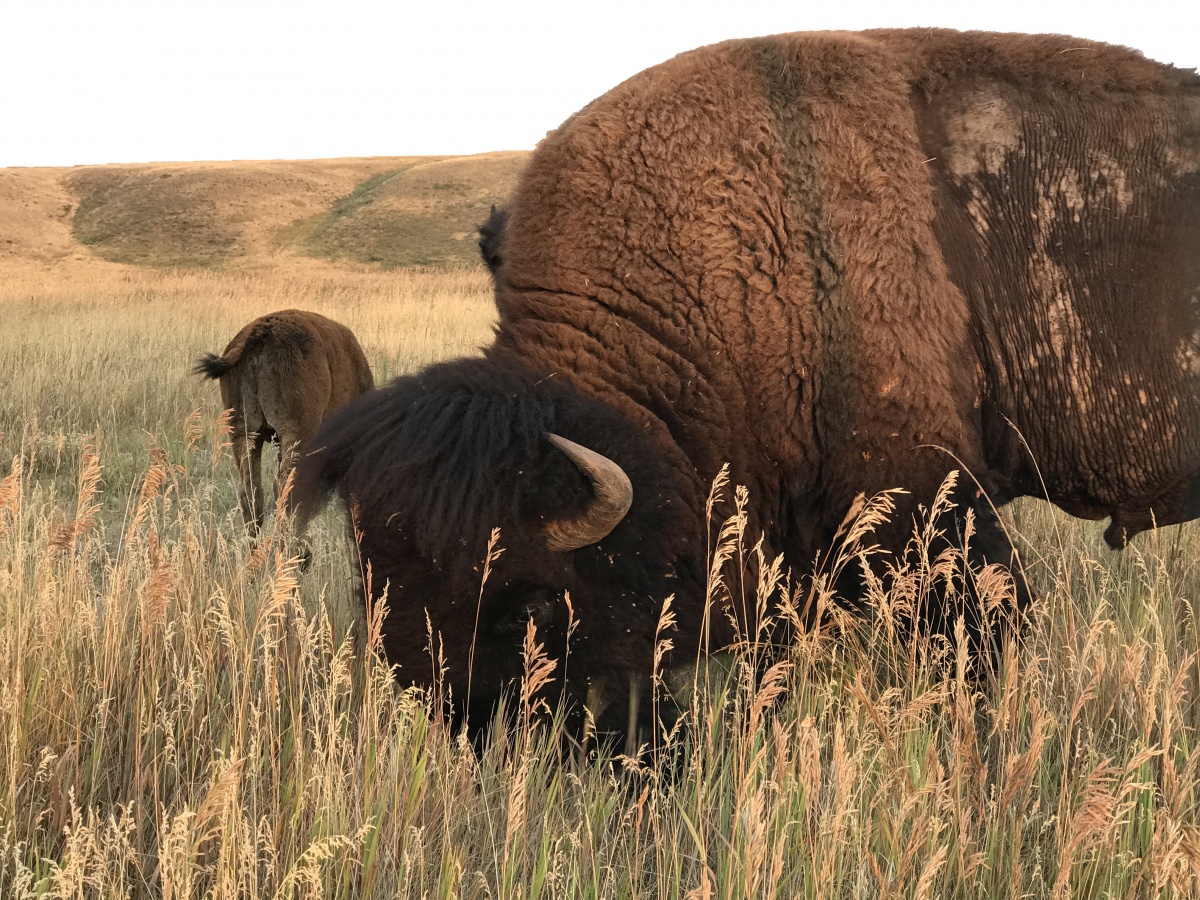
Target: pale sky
point(100, 81)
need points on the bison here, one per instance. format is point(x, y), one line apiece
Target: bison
point(838, 262)
point(281, 376)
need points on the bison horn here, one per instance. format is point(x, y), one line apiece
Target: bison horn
point(614, 495)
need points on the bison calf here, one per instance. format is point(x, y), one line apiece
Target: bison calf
point(281, 376)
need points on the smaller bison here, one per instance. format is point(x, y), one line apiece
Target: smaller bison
point(281, 376)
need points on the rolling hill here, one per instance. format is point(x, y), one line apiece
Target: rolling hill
point(380, 212)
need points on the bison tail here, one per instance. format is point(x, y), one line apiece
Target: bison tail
point(212, 366)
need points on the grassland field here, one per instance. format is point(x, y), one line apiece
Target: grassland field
point(182, 716)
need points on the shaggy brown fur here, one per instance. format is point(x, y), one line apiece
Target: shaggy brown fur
point(282, 375)
point(834, 259)
point(842, 263)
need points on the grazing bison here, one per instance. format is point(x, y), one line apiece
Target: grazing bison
point(282, 375)
point(839, 262)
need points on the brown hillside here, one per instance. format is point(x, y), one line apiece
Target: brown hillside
point(203, 214)
point(35, 217)
point(425, 215)
point(232, 214)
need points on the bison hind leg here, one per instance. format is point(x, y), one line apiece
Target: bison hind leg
point(247, 450)
point(292, 436)
point(289, 439)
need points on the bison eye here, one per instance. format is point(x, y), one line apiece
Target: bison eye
point(522, 601)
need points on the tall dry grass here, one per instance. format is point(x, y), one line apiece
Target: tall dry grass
point(180, 715)
point(110, 352)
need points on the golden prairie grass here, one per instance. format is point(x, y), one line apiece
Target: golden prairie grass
point(111, 352)
point(180, 715)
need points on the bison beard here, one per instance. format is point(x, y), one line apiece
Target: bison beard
point(840, 263)
point(433, 462)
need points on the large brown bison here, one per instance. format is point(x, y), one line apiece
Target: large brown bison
point(840, 263)
point(281, 376)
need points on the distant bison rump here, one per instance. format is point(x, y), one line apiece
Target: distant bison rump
point(281, 376)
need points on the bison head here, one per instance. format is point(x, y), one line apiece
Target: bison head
point(592, 538)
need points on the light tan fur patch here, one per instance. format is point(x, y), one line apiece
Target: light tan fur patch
point(982, 135)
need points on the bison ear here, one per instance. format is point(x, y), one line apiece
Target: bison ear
point(523, 603)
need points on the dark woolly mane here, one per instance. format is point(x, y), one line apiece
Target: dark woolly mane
point(458, 449)
point(491, 236)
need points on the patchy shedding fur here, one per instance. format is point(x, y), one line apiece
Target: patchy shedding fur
point(282, 375)
point(838, 262)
